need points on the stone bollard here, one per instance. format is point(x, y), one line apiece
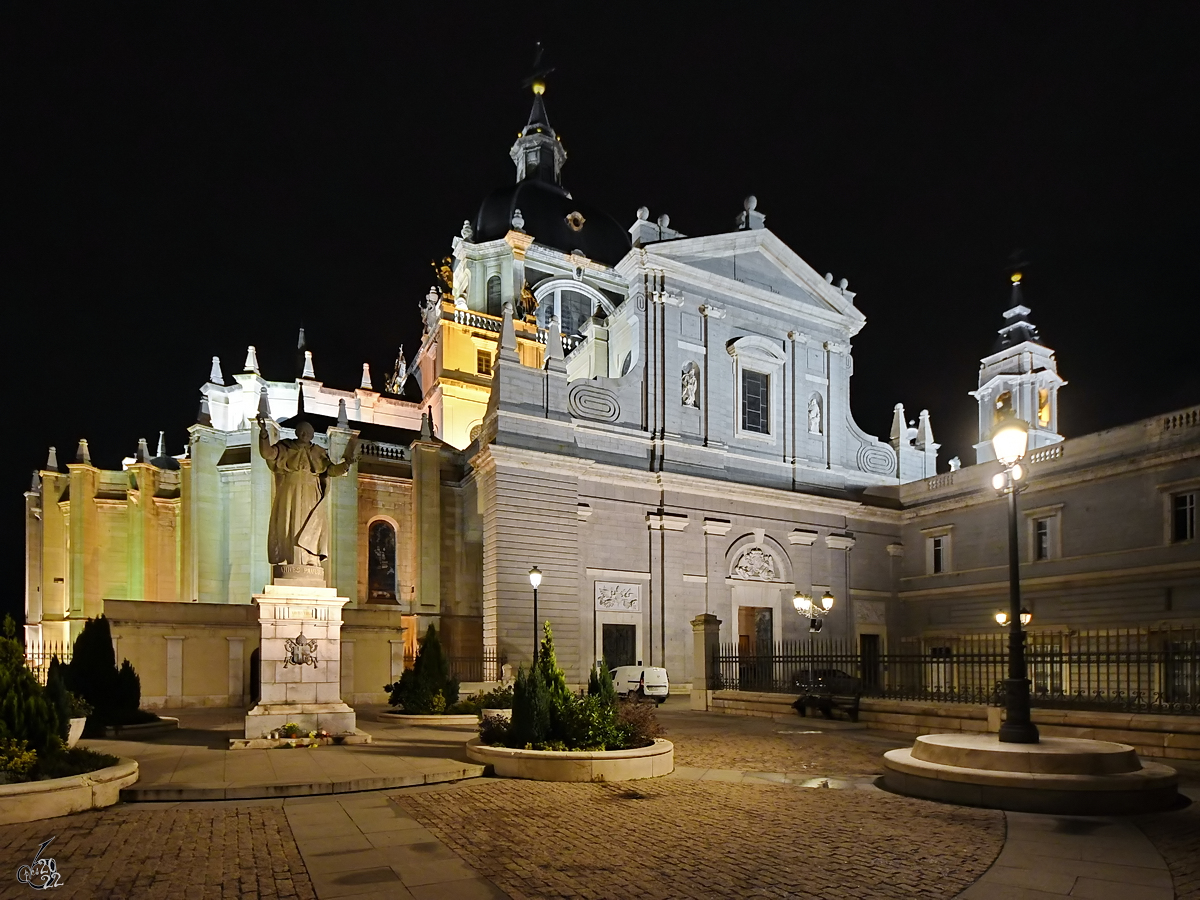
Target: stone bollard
point(706, 635)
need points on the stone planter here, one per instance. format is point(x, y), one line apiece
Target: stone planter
point(404, 719)
point(34, 800)
point(572, 765)
point(76, 731)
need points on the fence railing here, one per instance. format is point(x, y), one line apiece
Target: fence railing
point(1134, 670)
point(38, 656)
point(472, 668)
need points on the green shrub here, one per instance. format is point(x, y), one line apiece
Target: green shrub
point(531, 710)
point(495, 731)
point(427, 687)
point(26, 713)
point(637, 723)
point(600, 683)
point(497, 698)
point(58, 696)
point(76, 761)
point(113, 694)
point(16, 760)
point(589, 723)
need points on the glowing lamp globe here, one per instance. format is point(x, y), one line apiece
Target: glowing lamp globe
point(535, 577)
point(801, 602)
point(827, 601)
point(1009, 441)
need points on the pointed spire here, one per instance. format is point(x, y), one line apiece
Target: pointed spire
point(301, 346)
point(216, 376)
point(143, 451)
point(161, 451)
point(508, 333)
point(264, 403)
point(35, 485)
point(426, 426)
point(299, 400)
point(898, 427)
point(366, 379)
point(52, 460)
point(308, 371)
point(204, 417)
point(1017, 328)
point(83, 455)
point(924, 431)
point(343, 418)
point(251, 360)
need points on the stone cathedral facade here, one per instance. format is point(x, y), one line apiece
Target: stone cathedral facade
point(662, 424)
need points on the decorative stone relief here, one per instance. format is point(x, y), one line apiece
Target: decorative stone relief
point(879, 459)
point(300, 651)
point(612, 596)
point(869, 612)
point(756, 564)
point(587, 401)
point(690, 385)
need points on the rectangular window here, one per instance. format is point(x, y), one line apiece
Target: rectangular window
point(756, 400)
point(1183, 517)
point(939, 558)
point(483, 362)
point(1041, 539)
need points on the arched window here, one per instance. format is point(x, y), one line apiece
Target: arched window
point(381, 562)
point(493, 296)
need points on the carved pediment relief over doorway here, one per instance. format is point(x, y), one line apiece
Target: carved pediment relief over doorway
point(756, 564)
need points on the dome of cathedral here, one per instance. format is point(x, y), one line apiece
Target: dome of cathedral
point(554, 219)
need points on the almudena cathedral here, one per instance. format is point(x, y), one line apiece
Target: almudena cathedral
point(661, 423)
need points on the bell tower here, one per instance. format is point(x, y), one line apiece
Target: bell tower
point(1019, 378)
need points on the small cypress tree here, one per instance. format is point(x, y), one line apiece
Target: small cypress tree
point(92, 673)
point(58, 695)
point(531, 710)
point(129, 688)
point(418, 687)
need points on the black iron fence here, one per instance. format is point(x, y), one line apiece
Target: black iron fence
point(1131, 670)
point(485, 667)
point(38, 656)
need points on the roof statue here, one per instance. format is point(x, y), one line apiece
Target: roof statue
point(395, 383)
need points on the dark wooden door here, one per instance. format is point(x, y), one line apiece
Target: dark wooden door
point(620, 645)
point(868, 645)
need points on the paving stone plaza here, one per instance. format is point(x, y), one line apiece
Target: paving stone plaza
point(757, 807)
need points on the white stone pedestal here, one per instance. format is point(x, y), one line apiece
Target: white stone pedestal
point(301, 655)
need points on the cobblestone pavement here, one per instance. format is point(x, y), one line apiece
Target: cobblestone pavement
point(753, 744)
point(218, 852)
point(1176, 835)
point(670, 838)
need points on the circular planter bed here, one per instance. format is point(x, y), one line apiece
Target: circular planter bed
point(405, 719)
point(30, 801)
point(576, 765)
point(141, 729)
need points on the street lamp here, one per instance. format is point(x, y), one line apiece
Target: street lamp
point(535, 578)
point(1009, 441)
point(806, 606)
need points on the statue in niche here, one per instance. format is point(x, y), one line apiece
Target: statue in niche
point(690, 386)
point(299, 528)
point(814, 416)
point(756, 564)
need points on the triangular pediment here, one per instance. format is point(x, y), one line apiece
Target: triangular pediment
point(759, 263)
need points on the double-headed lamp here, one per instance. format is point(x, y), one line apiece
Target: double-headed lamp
point(535, 577)
point(1026, 617)
point(802, 602)
point(1009, 441)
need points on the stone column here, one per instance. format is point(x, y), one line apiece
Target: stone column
point(706, 637)
point(427, 526)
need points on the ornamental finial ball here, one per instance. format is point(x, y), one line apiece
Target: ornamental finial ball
point(643, 213)
point(1016, 277)
point(750, 203)
point(539, 87)
point(664, 220)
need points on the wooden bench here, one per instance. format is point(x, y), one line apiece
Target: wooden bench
point(830, 694)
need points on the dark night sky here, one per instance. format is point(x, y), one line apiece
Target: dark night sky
point(181, 180)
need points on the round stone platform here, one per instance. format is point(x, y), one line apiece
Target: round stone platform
point(1056, 775)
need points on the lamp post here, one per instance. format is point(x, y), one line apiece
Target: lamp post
point(1009, 442)
point(806, 606)
point(535, 578)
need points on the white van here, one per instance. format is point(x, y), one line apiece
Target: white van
point(641, 682)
